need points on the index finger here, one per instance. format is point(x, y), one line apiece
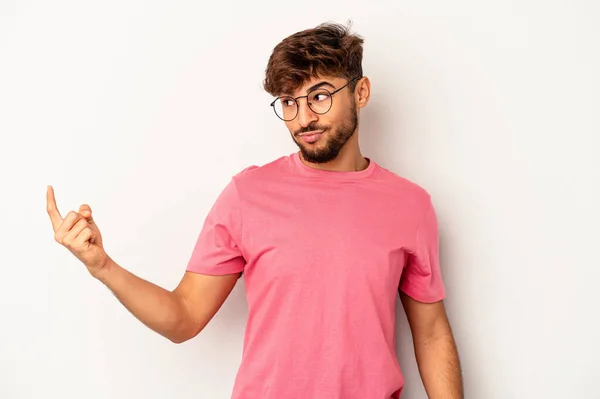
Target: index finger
point(52, 209)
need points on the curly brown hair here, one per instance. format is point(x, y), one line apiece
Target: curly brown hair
point(326, 50)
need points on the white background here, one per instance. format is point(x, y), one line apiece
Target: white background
point(145, 110)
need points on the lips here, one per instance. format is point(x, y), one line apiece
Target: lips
point(311, 137)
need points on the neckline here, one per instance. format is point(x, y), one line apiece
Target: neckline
point(333, 175)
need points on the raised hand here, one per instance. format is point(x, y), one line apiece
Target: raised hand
point(79, 234)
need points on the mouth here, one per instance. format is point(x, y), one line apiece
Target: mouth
point(312, 136)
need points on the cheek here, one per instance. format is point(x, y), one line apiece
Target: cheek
point(334, 118)
point(291, 126)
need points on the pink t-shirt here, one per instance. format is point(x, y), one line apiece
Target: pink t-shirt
point(323, 255)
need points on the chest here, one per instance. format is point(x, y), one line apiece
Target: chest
point(331, 237)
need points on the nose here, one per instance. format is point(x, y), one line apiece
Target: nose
point(305, 114)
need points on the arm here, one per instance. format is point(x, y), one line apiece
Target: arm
point(435, 349)
point(178, 315)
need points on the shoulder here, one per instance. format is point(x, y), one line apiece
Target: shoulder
point(260, 173)
point(408, 191)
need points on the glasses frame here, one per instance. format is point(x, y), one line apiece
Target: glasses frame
point(331, 93)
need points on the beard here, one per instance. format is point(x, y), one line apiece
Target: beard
point(336, 139)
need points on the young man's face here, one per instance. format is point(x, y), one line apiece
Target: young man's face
point(319, 136)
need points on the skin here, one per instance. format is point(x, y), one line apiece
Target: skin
point(180, 314)
point(345, 105)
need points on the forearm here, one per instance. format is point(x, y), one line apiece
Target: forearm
point(439, 367)
point(159, 309)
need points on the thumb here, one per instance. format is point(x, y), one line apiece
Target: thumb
point(86, 212)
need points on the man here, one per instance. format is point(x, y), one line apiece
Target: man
point(325, 239)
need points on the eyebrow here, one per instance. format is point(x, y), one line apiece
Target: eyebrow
point(315, 86)
point(320, 84)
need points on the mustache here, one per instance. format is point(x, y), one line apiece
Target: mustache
point(310, 128)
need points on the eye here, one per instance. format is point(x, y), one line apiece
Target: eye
point(320, 96)
point(287, 102)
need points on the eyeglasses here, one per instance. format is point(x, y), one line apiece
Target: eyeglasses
point(319, 101)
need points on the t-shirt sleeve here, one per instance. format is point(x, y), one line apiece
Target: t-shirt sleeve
point(217, 249)
point(422, 278)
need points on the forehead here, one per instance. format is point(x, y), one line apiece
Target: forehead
point(321, 81)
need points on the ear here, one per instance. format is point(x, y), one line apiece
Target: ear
point(362, 92)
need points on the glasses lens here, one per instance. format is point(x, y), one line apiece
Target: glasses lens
point(319, 101)
point(286, 108)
